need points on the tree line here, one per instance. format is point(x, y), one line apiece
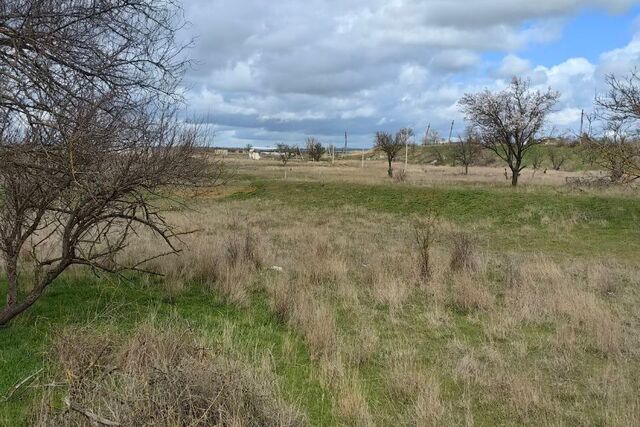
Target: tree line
point(510, 122)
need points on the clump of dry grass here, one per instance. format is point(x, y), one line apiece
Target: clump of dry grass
point(428, 407)
point(159, 376)
point(390, 289)
point(226, 264)
point(469, 293)
point(364, 346)
point(318, 263)
point(352, 405)
point(603, 279)
point(313, 318)
point(464, 253)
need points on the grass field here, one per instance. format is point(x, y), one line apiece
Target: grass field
point(308, 295)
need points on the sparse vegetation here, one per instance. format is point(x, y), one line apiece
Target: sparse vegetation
point(183, 382)
point(286, 153)
point(392, 145)
point(335, 296)
point(425, 236)
point(558, 157)
point(467, 150)
point(365, 306)
point(315, 150)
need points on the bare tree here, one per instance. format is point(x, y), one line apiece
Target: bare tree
point(467, 150)
point(286, 153)
point(618, 150)
point(438, 152)
point(389, 145)
point(536, 161)
point(509, 121)
point(424, 236)
point(622, 102)
point(404, 135)
point(432, 137)
point(557, 156)
point(88, 140)
point(315, 149)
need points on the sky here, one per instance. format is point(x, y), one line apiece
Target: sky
point(268, 72)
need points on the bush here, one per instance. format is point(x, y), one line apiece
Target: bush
point(400, 175)
point(424, 234)
point(314, 149)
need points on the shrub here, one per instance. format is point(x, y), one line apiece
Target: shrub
point(400, 175)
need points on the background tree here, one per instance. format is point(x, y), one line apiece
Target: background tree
point(536, 161)
point(315, 149)
point(618, 151)
point(389, 145)
point(88, 140)
point(467, 150)
point(432, 137)
point(557, 156)
point(405, 138)
point(404, 135)
point(509, 121)
point(286, 153)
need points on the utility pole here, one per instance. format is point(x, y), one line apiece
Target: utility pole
point(345, 144)
point(406, 154)
point(426, 135)
point(451, 130)
point(581, 122)
point(362, 166)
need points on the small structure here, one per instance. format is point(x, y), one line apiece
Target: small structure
point(254, 155)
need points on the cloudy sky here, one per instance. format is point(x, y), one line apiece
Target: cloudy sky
point(279, 71)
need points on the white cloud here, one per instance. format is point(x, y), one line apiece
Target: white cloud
point(282, 70)
point(513, 65)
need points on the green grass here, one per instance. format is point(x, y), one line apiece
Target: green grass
point(540, 219)
point(120, 306)
point(545, 220)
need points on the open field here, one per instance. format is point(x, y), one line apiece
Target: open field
point(305, 301)
point(374, 172)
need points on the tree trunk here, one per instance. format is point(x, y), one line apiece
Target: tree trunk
point(466, 169)
point(11, 266)
point(9, 312)
point(390, 170)
point(515, 174)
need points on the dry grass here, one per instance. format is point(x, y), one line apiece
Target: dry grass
point(514, 336)
point(161, 375)
point(352, 405)
point(464, 253)
point(360, 300)
point(375, 172)
point(469, 293)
